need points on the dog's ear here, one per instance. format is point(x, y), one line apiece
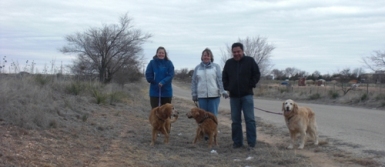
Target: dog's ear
point(196, 111)
point(295, 107)
point(164, 112)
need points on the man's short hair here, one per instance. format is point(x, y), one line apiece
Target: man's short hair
point(237, 44)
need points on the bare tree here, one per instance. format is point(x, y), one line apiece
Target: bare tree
point(255, 47)
point(278, 74)
point(104, 51)
point(182, 74)
point(316, 74)
point(291, 71)
point(376, 61)
point(344, 77)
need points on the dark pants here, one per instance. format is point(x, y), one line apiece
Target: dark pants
point(163, 100)
point(245, 104)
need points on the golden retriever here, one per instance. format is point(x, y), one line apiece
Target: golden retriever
point(299, 120)
point(160, 119)
point(207, 125)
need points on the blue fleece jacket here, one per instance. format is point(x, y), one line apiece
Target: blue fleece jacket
point(160, 71)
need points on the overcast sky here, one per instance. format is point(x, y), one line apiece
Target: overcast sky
point(326, 35)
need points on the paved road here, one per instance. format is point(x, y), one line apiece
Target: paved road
point(354, 129)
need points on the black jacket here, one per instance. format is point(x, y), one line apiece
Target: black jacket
point(240, 77)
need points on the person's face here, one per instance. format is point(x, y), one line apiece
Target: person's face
point(206, 57)
point(161, 54)
point(237, 53)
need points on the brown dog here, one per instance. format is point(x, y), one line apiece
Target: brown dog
point(160, 119)
point(207, 125)
point(299, 120)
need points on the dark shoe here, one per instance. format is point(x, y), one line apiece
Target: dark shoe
point(251, 149)
point(237, 145)
point(206, 138)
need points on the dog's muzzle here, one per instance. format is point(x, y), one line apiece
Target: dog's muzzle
point(287, 109)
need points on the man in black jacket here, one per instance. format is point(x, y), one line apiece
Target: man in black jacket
point(240, 75)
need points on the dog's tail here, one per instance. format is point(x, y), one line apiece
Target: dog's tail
point(174, 118)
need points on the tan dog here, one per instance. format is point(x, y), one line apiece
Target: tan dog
point(299, 120)
point(160, 119)
point(207, 125)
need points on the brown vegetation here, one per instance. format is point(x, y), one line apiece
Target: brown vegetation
point(46, 121)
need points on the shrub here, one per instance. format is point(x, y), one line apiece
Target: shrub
point(41, 80)
point(333, 94)
point(380, 97)
point(364, 97)
point(314, 96)
point(75, 88)
point(99, 96)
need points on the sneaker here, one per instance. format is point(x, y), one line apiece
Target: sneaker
point(237, 146)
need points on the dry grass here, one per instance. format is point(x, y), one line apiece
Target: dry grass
point(63, 123)
point(372, 96)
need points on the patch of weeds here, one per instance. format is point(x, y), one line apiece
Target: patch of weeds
point(100, 97)
point(84, 117)
point(41, 79)
point(315, 96)
point(383, 104)
point(375, 152)
point(116, 97)
point(283, 90)
point(75, 88)
point(365, 162)
point(67, 104)
point(380, 97)
point(52, 124)
point(364, 97)
point(117, 113)
point(333, 94)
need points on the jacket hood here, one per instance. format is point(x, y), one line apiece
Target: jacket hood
point(206, 64)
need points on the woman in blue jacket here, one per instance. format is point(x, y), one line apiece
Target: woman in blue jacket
point(159, 74)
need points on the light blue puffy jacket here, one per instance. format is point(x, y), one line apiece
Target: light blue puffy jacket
point(207, 81)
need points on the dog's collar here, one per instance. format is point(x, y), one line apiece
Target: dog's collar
point(206, 117)
point(200, 122)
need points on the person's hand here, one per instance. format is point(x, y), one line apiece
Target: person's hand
point(160, 85)
point(225, 95)
point(195, 98)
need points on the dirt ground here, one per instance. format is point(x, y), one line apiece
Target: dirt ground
point(119, 135)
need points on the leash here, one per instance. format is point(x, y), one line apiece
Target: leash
point(156, 113)
point(196, 104)
point(271, 112)
point(159, 95)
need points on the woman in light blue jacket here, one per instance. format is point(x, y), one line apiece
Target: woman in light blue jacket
point(206, 85)
point(159, 73)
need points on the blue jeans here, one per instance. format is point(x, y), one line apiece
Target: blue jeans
point(245, 104)
point(209, 104)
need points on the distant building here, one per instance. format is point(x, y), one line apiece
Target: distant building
point(379, 77)
point(301, 81)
